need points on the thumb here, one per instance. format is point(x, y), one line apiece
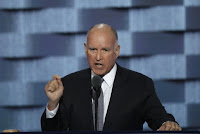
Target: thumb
point(162, 128)
point(60, 82)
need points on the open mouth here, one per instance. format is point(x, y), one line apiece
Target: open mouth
point(98, 64)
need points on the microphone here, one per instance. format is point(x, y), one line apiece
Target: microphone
point(96, 91)
point(96, 86)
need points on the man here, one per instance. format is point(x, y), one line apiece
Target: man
point(129, 97)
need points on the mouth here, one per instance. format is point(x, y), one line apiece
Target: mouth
point(99, 65)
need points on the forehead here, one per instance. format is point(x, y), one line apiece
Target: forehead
point(102, 38)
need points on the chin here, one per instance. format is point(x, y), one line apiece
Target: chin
point(99, 72)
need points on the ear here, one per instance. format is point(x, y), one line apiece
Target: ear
point(117, 51)
point(85, 46)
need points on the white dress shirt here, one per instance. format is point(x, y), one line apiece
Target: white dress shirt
point(106, 86)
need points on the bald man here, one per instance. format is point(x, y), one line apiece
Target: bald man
point(129, 98)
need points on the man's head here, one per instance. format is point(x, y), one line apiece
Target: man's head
point(102, 48)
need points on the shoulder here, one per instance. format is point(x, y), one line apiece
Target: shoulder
point(136, 79)
point(131, 74)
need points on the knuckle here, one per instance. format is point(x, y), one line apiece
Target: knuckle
point(50, 88)
point(56, 76)
point(52, 82)
point(50, 85)
point(168, 125)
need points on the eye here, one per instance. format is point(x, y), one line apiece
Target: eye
point(92, 49)
point(106, 49)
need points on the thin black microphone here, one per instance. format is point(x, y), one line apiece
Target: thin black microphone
point(96, 86)
point(96, 91)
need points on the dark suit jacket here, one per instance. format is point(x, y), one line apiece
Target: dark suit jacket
point(133, 101)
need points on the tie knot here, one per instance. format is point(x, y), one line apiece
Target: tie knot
point(101, 76)
point(102, 80)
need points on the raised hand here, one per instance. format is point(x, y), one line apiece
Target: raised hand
point(54, 91)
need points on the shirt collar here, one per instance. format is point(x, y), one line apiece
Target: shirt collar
point(109, 77)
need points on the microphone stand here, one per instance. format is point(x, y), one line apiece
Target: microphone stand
point(95, 96)
point(96, 113)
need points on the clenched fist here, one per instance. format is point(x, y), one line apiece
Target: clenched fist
point(54, 91)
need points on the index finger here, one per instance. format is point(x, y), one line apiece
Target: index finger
point(56, 77)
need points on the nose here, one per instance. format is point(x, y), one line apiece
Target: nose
point(98, 56)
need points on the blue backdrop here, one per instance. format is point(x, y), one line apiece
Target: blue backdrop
point(39, 38)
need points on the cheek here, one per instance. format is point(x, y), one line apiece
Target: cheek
point(90, 58)
point(111, 60)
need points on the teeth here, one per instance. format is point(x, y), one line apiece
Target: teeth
point(98, 64)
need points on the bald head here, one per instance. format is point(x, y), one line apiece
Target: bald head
point(107, 29)
point(101, 48)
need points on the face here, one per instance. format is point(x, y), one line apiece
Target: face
point(101, 51)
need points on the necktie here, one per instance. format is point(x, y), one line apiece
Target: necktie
point(100, 112)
